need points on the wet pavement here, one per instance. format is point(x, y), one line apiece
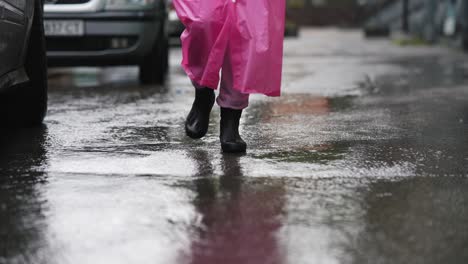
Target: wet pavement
point(363, 160)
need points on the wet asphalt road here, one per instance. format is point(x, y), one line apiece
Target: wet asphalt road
point(363, 160)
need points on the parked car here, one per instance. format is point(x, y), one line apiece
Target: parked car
point(23, 67)
point(109, 32)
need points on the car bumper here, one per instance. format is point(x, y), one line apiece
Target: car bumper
point(110, 38)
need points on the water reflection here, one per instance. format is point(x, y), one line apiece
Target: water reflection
point(290, 129)
point(93, 77)
point(417, 220)
point(240, 217)
point(22, 199)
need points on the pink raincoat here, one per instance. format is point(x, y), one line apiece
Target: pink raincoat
point(251, 32)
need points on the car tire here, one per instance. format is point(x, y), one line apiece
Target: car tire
point(154, 68)
point(26, 104)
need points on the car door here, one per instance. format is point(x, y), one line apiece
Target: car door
point(13, 31)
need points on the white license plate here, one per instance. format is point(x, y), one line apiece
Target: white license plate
point(64, 28)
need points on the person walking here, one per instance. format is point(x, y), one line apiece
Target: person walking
point(244, 40)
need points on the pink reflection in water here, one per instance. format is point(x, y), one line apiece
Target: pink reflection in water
point(240, 218)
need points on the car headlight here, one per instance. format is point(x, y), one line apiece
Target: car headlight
point(129, 4)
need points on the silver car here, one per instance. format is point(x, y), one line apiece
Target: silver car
point(109, 32)
point(23, 67)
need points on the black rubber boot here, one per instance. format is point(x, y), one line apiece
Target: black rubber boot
point(196, 124)
point(231, 141)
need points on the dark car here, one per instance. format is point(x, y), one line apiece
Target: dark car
point(109, 32)
point(23, 67)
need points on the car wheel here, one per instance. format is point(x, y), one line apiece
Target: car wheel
point(26, 105)
point(154, 68)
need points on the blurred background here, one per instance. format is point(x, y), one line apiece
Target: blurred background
point(363, 159)
point(79, 33)
point(427, 20)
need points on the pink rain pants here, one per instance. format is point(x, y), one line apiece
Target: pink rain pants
point(244, 37)
point(228, 97)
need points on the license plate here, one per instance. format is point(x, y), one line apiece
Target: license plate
point(63, 28)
